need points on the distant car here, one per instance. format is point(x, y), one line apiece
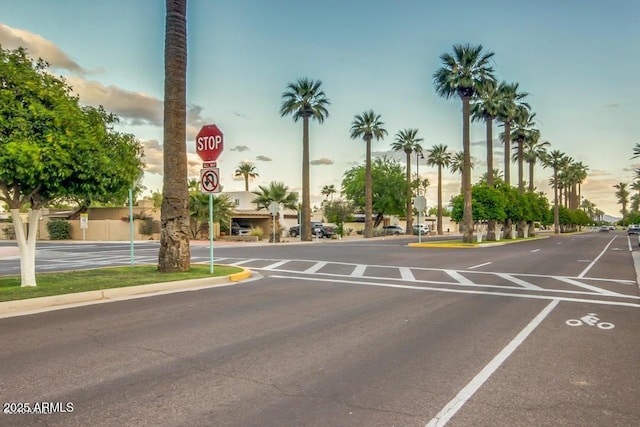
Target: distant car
point(604, 228)
point(239, 230)
point(421, 228)
point(633, 229)
point(612, 227)
point(317, 228)
point(392, 229)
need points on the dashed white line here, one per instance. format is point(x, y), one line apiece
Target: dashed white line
point(480, 265)
point(458, 277)
point(465, 394)
point(407, 274)
point(359, 270)
point(315, 268)
point(535, 250)
point(244, 261)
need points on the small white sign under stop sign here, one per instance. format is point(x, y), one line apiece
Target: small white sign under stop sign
point(273, 208)
point(420, 202)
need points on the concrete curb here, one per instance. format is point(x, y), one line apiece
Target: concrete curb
point(58, 302)
point(483, 244)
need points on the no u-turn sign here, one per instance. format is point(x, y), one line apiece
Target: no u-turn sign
point(209, 180)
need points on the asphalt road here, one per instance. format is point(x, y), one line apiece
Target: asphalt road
point(360, 333)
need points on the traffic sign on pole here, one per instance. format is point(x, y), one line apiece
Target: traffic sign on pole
point(210, 180)
point(209, 143)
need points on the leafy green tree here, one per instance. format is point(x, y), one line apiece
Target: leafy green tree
point(246, 170)
point(440, 157)
point(489, 203)
point(463, 74)
point(304, 99)
point(388, 187)
point(175, 252)
point(408, 142)
point(338, 212)
point(368, 126)
point(51, 147)
point(279, 193)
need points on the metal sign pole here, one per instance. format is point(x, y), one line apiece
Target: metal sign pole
point(211, 233)
point(130, 223)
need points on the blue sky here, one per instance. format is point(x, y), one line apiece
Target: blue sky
point(577, 59)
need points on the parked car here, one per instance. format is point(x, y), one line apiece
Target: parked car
point(317, 228)
point(392, 229)
point(239, 230)
point(604, 228)
point(421, 228)
point(633, 229)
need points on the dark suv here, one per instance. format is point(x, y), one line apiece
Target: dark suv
point(317, 228)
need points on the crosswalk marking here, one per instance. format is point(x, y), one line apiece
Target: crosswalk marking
point(407, 274)
point(275, 265)
point(316, 267)
point(359, 270)
point(458, 277)
point(517, 281)
point(591, 288)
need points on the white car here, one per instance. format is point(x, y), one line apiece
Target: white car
point(421, 229)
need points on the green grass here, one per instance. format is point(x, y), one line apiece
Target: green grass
point(459, 243)
point(67, 282)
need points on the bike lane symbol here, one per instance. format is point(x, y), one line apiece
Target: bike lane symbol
point(590, 319)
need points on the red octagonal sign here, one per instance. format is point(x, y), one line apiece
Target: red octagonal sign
point(209, 143)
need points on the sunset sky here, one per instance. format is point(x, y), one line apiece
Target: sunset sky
point(577, 59)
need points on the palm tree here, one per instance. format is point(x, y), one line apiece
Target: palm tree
point(557, 160)
point(328, 191)
point(534, 150)
point(175, 253)
point(523, 130)
point(407, 140)
point(623, 197)
point(636, 151)
point(463, 74)
point(303, 100)
point(510, 99)
point(246, 170)
point(438, 156)
point(279, 193)
point(367, 126)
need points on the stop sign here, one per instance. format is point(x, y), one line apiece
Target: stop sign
point(209, 143)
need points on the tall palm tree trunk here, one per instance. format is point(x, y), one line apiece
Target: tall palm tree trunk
point(532, 228)
point(467, 215)
point(409, 229)
point(507, 153)
point(175, 253)
point(491, 225)
point(246, 182)
point(305, 224)
point(368, 195)
point(440, 232)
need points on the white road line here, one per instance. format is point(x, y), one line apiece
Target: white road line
point(518, 281)
point(535, 250)
point(459, 277)
point(244, 261)
point(275, 265)
point(406, 274)
point(591, 288)
point(597, 258)
point(465, 394)
point(480, 265)
point(316, 267)
point(629, 242)
point(464, 291)
point(359, 270)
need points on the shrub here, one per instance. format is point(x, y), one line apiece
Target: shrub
point(257, 231)
point(59, 229)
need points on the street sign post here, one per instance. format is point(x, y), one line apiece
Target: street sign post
point(209, 143)
point(420, 203)
point(209, 146)
point(210, 180)
point(273, 208)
